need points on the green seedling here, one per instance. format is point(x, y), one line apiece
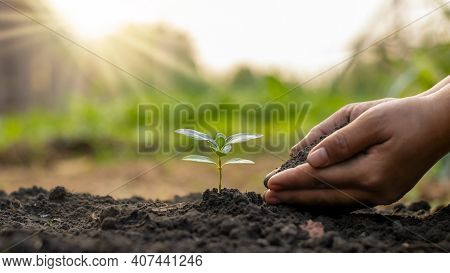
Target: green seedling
point(221, 146)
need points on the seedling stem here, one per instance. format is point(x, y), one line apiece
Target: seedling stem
point(220, 174)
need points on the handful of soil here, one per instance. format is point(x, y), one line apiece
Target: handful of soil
point(298, 158)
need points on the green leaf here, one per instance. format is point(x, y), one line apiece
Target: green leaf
point(199, 158)
point(195, 135)
point(241, 137)
point(199, 136)
point(220, 140)
point(224, 151)
point(213, 145)
point(238, 161)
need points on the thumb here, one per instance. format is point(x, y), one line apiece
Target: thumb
point(345, 142)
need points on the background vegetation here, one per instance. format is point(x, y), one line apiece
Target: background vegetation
point(61, 103)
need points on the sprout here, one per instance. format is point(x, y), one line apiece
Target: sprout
point(221, 146)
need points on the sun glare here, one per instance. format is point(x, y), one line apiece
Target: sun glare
point(93, 18)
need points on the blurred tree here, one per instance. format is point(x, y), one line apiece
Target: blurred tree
point(29, 68)
point(408, 62)
point(39, 68)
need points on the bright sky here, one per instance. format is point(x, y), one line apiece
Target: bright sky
point(298, 35)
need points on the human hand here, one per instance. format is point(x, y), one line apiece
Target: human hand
point(378, 157)
point(340, 118)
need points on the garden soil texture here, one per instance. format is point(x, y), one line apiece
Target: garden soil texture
point(35, 220)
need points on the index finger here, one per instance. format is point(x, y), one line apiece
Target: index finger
point(326, 127)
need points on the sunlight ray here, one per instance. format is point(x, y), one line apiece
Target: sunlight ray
point(22, 31)
point(158, 54)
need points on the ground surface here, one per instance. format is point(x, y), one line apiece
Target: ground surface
point(34, 219)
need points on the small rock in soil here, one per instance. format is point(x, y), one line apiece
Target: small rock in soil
point(41, 197)
point(108, 212)
point(314, 229)
point(16, 204)
point(289, 230)
point(57, 194)
point(109, 223)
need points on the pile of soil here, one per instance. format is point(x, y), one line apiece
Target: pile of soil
point(35, 220)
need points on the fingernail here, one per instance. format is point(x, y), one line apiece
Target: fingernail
point(292, 151)
point(268, 176)
point(266, 179)
point(273, 200)
point(269, 198)
point(318, 158)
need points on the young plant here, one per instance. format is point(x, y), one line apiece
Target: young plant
point(221, 146)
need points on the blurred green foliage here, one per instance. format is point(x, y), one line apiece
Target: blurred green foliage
point(105, 115)
point(94, 118)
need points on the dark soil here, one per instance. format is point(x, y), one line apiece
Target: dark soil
point(35, 220)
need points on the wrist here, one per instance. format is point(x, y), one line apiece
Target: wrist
point(435, 88)
point(438, 112)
